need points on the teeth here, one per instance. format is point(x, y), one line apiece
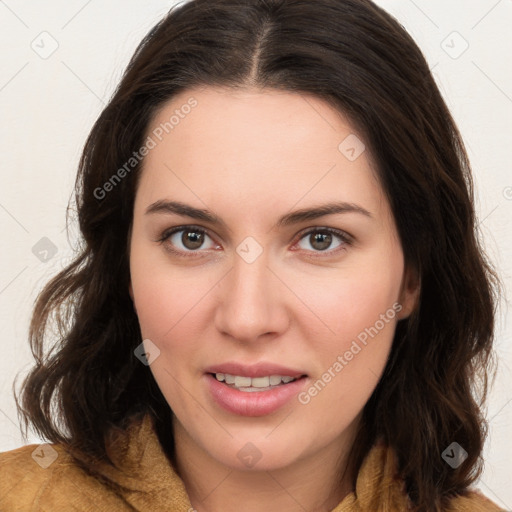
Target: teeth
point(259, 382)
point(274, 380)
point(238, 381)
point(230, 379)
point(242, 382)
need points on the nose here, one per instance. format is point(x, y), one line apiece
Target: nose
point(251, 302)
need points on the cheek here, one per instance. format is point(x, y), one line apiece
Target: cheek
point(351, 299)
point(363, 303)
point(165, 302)
point(164, 294)
point(360, 309)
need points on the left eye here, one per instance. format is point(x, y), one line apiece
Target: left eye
point(186, 240)
point(321, 239)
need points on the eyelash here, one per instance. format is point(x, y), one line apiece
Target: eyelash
point(344, 237)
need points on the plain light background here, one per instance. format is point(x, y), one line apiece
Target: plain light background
point(60, 62)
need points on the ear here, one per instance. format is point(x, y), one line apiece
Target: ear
point(409, 293)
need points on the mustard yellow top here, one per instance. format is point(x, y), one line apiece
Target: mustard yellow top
point(47, 478)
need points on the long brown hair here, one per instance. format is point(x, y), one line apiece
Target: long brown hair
point(358, 58)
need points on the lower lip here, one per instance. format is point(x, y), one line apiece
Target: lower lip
point(253, 403)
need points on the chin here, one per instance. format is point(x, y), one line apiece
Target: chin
point(258, 453)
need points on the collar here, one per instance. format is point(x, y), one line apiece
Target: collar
point(147, 479)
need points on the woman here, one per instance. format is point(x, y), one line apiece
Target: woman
point(280, 303)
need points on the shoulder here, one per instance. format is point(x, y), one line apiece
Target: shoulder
point(45, 477)
point(473, 501)
point(25, 472)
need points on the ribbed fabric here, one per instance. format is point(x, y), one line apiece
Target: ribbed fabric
point(145, 481)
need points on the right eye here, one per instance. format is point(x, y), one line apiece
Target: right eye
point(184, 239)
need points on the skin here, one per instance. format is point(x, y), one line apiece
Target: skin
point(250, 157)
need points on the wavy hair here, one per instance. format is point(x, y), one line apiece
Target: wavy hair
point(360, 60)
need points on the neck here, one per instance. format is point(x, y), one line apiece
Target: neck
point(317, 483)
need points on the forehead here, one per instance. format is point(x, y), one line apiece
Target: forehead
point(282, 120)
point(222, 145)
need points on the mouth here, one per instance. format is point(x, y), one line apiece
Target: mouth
point(255, 384)
point(254, 390)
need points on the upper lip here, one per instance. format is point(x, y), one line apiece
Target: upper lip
point(261, 369)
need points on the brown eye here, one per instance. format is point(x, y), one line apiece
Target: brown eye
point(192, 239)
point(185, 240)
point(322, 239)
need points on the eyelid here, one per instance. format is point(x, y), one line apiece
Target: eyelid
point(167, 233)
point(326, 229)
point(191, 227)
point(345, 238)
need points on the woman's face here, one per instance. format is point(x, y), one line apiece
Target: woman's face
point(253, 289)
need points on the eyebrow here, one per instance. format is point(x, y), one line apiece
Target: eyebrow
point(296, 217)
